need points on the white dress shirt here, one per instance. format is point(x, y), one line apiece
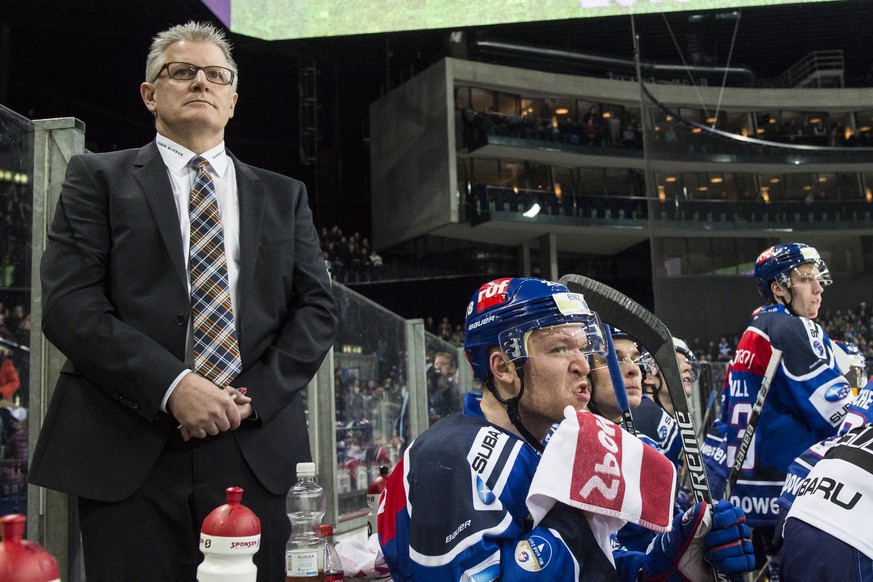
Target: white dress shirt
point(178, 158)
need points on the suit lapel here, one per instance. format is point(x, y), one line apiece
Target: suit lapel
point(251, 212)
point(151, 175)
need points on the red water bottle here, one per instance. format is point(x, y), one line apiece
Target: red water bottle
point(21, 560)
point(374, 492)
point(230, 536)
point(333, 566)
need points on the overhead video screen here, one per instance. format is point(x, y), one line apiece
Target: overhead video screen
point(289, 19)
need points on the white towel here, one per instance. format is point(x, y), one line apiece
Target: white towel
point(593, 464)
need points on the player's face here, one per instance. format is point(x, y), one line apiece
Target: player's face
point(686, 370)
point(806, 290)
point(604, 394)
point(556, 372)
point(651, 380)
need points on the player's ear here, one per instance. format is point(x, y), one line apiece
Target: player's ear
point(779, 292)
point(501, 368)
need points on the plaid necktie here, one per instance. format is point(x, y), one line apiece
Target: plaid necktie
point(216, 351)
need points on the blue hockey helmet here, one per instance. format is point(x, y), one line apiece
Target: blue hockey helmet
point(502, 311)
point(617, 333)
point(776, 263)
point(645, 360)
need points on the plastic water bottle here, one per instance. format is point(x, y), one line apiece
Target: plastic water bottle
point(305, 506)
point(333, 566)
point(21, 560)
point(229, 538)
point(374, 492)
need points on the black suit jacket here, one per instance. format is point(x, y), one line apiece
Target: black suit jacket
point(116, 304)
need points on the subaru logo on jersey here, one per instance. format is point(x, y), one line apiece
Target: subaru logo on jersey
point(485, 450)
point(832, 400)
point(533, 554)
point(485, 494)
point(836, 392)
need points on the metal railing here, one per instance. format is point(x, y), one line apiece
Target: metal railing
point(817, 69)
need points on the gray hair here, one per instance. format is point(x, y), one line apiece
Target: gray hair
point(191, 32)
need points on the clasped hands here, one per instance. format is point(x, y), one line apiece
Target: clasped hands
point(203, 410)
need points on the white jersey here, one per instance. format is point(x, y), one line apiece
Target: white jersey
point(837, 495)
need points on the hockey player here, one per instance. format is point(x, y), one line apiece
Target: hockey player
point(650, 420)
point(829, 516)
point(689, 367)
point(479, 497)
point(808, 395)
point(826, 501)
point(603, 400)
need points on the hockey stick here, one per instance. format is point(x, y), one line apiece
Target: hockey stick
point(623, 312)
point(631, 317)
point(617, 379)
point(752, 424)
point(710, 404)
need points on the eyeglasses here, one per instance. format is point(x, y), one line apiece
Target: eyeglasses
point(187, 72)
point(599, 362)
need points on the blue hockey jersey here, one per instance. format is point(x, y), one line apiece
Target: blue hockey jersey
point(807, 401)
point(454, 509)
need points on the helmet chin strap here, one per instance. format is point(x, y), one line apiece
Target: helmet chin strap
point(512, 410)
point(788, 303)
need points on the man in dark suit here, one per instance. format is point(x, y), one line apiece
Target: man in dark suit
point(136, 429)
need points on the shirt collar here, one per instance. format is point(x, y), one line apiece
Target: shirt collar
point(177, 157)
point(473, 404)
point(773, 308)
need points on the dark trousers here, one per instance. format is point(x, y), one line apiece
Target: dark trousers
point(808, 553)
point(154, 534)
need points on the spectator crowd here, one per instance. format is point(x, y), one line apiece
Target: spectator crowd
point(15, 228)
point(349, 258)
point(594, 129)
point(854, 325)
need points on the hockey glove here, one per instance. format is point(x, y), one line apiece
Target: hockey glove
point(717, 534)
point(729, 543)
point(677, 556)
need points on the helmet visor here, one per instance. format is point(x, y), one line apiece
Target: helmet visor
point(538, 338)
point(648, 366)
point(805, 274)
point(644, 361)
point(810, 268)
